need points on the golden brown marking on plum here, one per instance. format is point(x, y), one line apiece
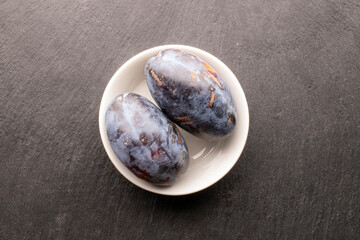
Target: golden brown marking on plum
point(188, 122)
point(216, 81)
point(193, 77)
point(199, 91)
point(178, 134)
point(212, 99)
point(169, 130)
point(156, 94)
point(210, 69)
point(173, 140)
point(230, 117)
point(212, 76)
point(183, 118)
point(156, 78)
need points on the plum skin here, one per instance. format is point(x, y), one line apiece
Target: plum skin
point(144, 139)
point(190, 92)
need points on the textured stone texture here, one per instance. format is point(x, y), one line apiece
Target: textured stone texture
point(298, 62)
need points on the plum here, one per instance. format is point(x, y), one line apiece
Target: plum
point(190, 92)
point(145, 140)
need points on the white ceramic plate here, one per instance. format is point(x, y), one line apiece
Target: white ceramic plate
point(209, 161)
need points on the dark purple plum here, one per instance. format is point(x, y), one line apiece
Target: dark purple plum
point(145, 140)
point(190, 92)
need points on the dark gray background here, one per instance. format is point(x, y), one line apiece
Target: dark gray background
point(297, 61)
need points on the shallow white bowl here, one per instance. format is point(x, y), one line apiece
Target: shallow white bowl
point(209, 161)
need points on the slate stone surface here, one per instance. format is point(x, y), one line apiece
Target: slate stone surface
point(297, 61)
